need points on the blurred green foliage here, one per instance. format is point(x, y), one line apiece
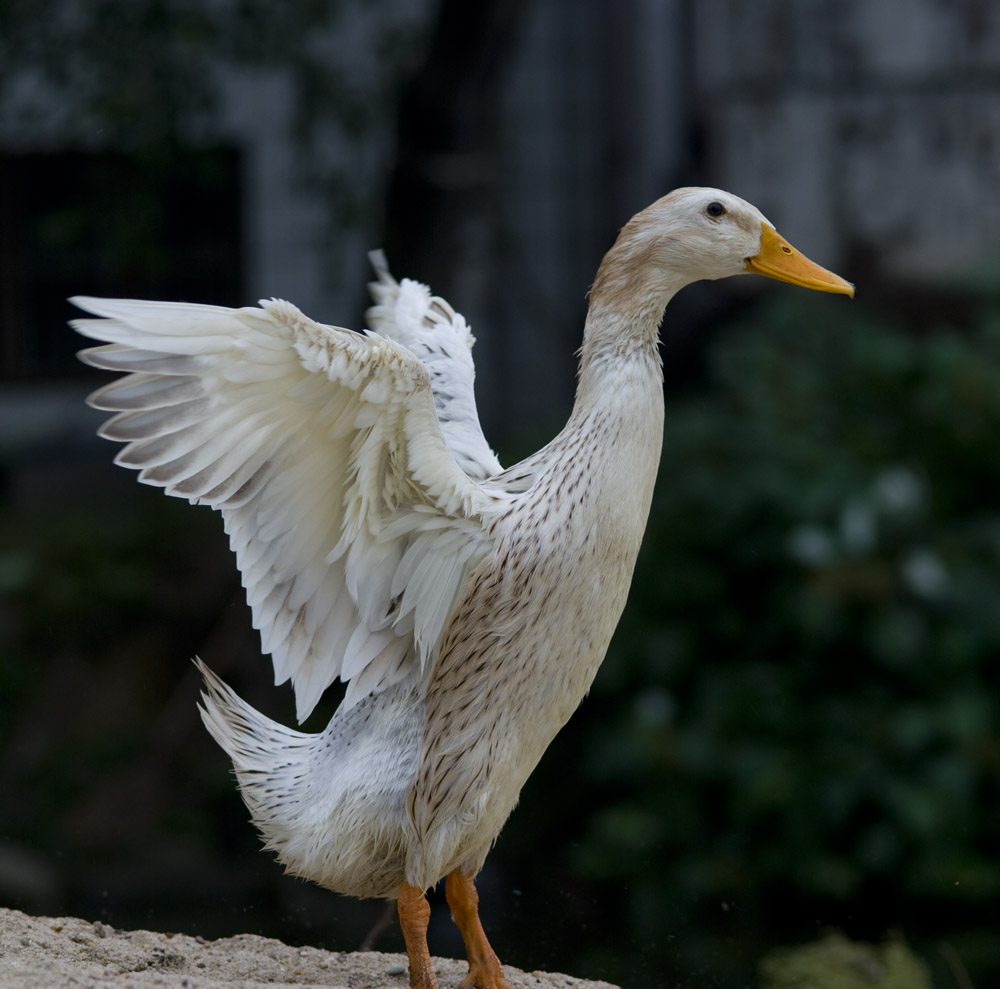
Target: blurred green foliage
point(115, 804)
point(799, 720)
point(797, 728)
point(86, 626)
point(836, 963)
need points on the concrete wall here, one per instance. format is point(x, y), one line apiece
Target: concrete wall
point(870, 130)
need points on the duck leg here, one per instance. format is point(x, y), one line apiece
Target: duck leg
point(484, 966)
point(414, 914)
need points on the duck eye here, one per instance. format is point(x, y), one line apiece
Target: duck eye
point(715, 210)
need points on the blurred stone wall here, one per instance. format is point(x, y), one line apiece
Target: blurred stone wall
point(866, 131)
point(871, 129)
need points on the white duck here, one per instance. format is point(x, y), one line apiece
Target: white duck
point(466, 607)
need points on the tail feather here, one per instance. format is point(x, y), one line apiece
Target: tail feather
point(251, 739)
point(312, 796)
point(271, 761)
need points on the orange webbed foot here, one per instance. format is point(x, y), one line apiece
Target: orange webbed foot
point(484, 966)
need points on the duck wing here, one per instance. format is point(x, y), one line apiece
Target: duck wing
point(429, 327)
point(353, 525)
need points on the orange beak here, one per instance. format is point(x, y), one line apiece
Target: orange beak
point(778, 259)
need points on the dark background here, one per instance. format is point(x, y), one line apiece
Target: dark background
point(796, 729)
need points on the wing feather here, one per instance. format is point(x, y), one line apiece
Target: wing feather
point(428, 326)
point(353, 525)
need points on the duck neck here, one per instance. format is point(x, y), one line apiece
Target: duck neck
point(627, 301)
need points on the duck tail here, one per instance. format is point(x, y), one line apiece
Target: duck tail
point(269, 759)
point(312, 796)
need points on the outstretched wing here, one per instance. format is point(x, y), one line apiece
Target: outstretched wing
point(353, 525)
point(428, 327)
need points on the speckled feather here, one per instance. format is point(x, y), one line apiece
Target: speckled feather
point(467, 607)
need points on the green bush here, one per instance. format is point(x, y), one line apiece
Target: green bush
point(798, 721)
point(796, 727)
point(836, 963)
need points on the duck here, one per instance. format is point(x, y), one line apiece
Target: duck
point(466, 606)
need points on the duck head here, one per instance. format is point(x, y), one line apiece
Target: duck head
point(703, 233)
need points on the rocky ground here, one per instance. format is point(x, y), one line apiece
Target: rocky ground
point(69, 953)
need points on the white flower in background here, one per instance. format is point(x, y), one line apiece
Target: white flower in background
point(858, 527)
point(924, 573)
point(810, 545)
point(899, 489)
point(896, 490)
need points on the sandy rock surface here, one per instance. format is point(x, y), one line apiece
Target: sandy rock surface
point(69, 953)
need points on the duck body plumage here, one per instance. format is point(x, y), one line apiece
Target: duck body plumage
point(416, 780)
